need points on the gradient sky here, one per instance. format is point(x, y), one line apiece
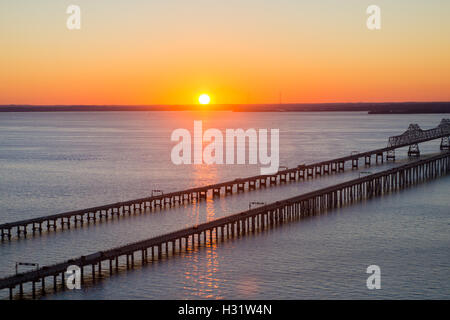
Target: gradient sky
point(238, 51)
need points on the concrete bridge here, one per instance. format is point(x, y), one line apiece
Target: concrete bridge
point(240, 224)
point(412, 137)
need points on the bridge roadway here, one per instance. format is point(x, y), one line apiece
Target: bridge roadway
point(242, 223)
point(60, 221)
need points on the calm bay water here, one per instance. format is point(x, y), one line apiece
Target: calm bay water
point(56, 162)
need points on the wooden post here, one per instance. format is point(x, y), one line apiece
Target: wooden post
point(33, 289)
point(43, 285)
point(54, 283)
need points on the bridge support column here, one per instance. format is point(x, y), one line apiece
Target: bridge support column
point(318, 170)
point(445, 143)
point(93, 272)
point(414, 150)
point(99, 271)
point(379, 155)
point(333, 167)
point(390, 155)
point(263, 182)
point(273, 180)
point(43, 286)
point(301, 174)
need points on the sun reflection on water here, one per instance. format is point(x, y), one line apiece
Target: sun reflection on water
point(200, 281)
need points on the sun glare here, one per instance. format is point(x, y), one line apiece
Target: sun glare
point(204, 99)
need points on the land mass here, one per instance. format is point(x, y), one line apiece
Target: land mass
point(371, 108)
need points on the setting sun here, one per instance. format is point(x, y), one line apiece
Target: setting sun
point(204, 99)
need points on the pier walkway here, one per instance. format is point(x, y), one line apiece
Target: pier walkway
point(412, 137)
point(236, 225)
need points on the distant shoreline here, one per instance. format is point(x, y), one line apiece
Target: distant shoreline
point(371, 108)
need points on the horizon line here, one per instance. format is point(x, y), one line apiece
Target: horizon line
point(216, 104)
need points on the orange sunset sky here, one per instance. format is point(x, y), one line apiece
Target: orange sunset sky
point(237, 51)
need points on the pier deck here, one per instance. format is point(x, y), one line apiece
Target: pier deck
point(412, 137)
point(240, 224)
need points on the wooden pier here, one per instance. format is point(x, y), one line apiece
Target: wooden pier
point(236, 225)
point(412, 137)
